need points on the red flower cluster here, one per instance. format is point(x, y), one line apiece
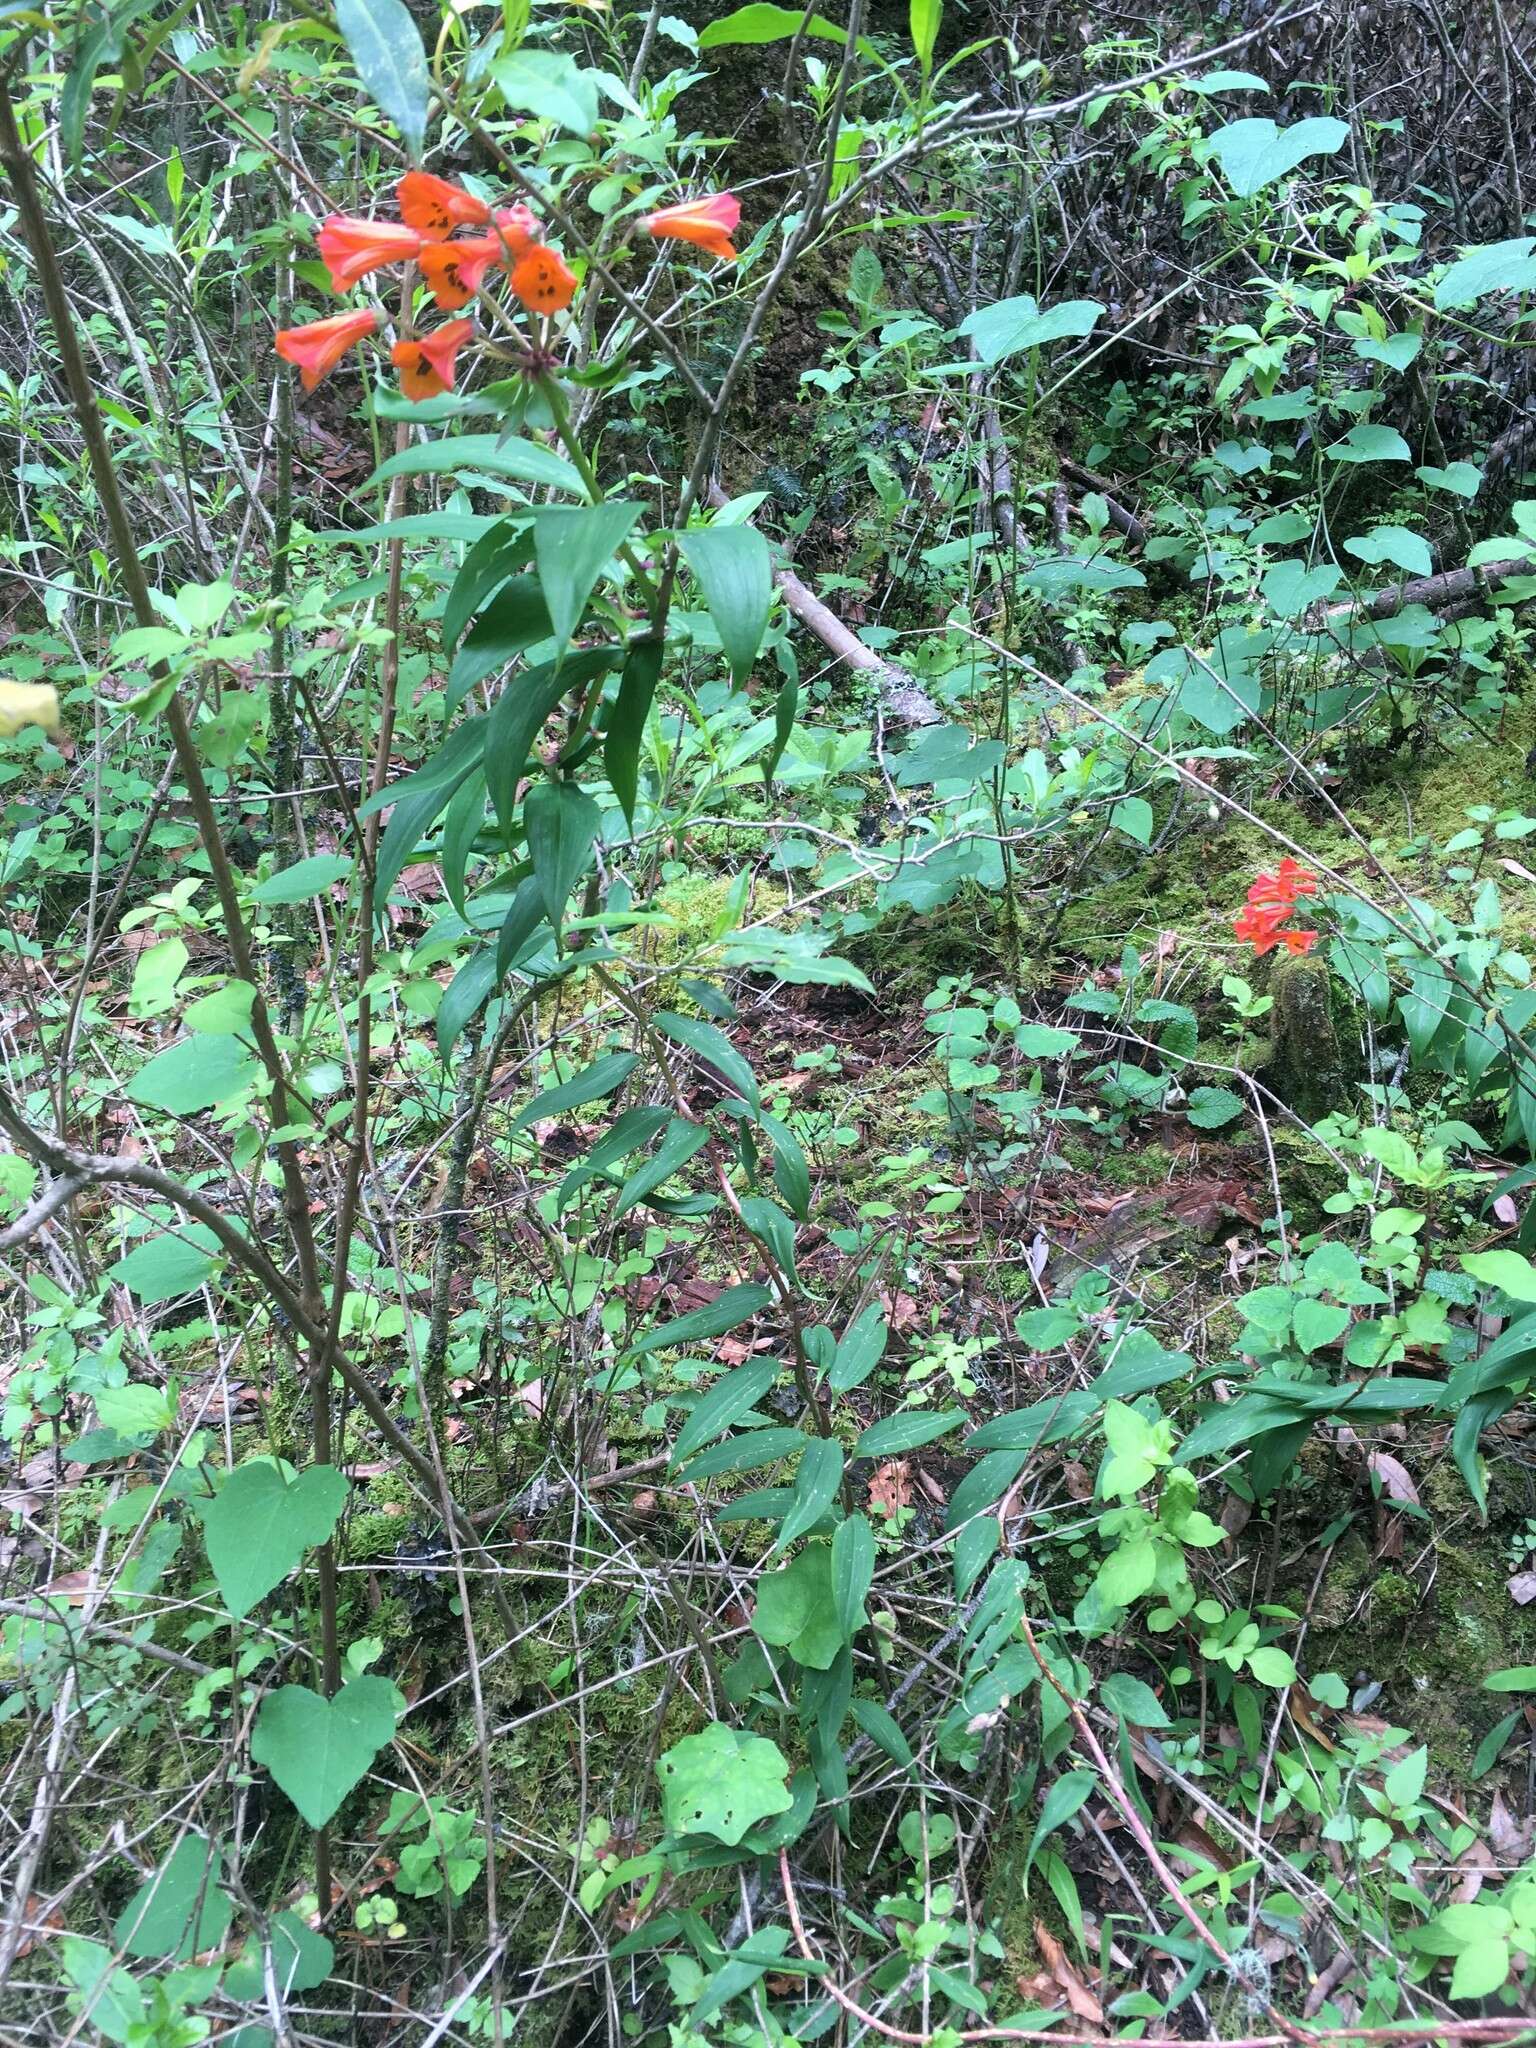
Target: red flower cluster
point(1271, 901)
point(431, 210)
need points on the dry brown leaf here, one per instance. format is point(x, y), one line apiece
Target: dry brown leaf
point(49, 1923)
point(1078, 1996)
point(73, 1587)
point(890, 1489)
point(1475, 1863)
point(1510, 1837)
point(1393, 1477)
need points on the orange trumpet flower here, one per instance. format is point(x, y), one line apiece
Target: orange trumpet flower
point(350, 248)
point(517, 229)
point(708, 222)
point(426, 366)
point(320, 346)
point(543, 281)
point(434, 208)
point(455, 271)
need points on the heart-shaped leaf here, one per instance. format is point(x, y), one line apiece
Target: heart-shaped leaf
point(258, 1526)
point(181, 1909)
point(318, 1749)
point(1255, 153)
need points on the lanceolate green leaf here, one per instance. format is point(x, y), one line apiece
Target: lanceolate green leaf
point(572, 545)
point(493, 454)
point(906, 1431)
point(562, 823)
point(735, 574)
point(745, 1453)
point(517, 718)
point(761, 23)
point(853, 1572)
point(516, 619)
point(461, 828)
point(726, 1402)
point(816, 1483)
point(683, 1139)
point(626, 723)
point(726, 1312)
point(386, 48)
point(496, 555)
point(602, 1078)
point(464, 996)
point(710, 1043)
point(925, 16)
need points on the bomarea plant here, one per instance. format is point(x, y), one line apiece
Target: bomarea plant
point(537, 782)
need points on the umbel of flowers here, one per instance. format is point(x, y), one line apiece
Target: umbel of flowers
point(1264, 920)
point(455, 266)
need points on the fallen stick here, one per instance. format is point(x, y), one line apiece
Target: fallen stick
point(901, 697)
point(1447, 588)
point(1087, 480)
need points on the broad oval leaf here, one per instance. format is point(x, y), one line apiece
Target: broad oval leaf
point(386, 48)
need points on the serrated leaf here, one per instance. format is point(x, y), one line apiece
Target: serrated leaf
point(165, 1267)
point(1209, 1108)
point(1494, 267)
point(196, 1073)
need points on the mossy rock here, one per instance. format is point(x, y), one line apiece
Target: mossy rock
point(1304, 1063)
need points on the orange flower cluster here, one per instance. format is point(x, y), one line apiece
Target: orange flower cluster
point(431, 209)
point(507, 239)
point(1271, 901)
